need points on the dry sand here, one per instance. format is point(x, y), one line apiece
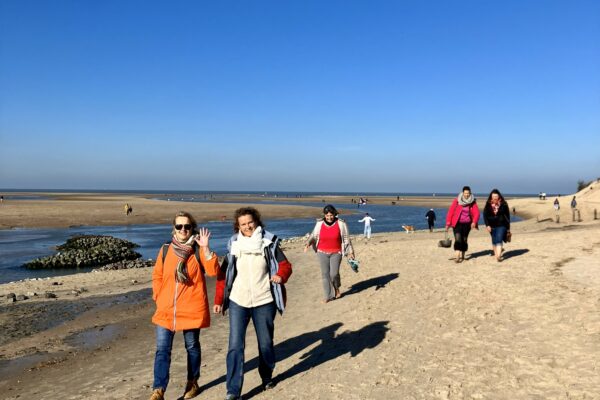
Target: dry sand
point(73, 209)
point(412, 325)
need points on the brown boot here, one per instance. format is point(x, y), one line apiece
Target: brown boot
point(158, 394)
point(191, 390)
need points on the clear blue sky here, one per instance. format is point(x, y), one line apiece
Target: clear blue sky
point(398, 96)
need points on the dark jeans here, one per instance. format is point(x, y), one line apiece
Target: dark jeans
point(263, 318)
point(430, 224)
point(162, 359)
point(461, 233)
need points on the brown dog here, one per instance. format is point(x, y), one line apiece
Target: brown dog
point(409, 228)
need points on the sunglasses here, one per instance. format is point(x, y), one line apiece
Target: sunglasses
point(186, 227)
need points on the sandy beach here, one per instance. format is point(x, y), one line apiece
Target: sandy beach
point(412, 324)
point(74, 209)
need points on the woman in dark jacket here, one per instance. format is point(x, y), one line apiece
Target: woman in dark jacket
point(496, 215)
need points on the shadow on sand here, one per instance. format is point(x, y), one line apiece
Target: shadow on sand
point(514, 253)
point(377, 282)
point(330, 347)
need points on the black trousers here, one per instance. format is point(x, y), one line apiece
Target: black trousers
point(461, 233)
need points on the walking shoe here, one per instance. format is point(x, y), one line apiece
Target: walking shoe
point(191, 390)
point(158, 394)
point(268, 385)
point(232, 397)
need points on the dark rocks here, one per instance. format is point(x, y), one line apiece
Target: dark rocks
point(87, 251)
point(49, 295)
point(127, 264)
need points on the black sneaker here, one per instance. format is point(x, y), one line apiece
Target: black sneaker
point(269, 385)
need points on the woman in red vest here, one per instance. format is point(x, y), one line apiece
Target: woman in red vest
point(331, 240)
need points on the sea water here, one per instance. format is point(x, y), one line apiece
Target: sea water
point(18, 246)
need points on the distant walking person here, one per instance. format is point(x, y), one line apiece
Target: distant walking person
point(367, 220)
point(330, 238)
point(126, 208)
point(496, 215)
point(179, 291)
point(573, 203)
point(430, 219)
point(463, 215)
point(556, 204)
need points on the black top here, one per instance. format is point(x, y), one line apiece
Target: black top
point(500, 219)
point(430, 215)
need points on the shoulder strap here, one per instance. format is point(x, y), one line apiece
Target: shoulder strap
point(165, 248)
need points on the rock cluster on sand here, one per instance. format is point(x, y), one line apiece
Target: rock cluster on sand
point(87, 251)
point(126, 264)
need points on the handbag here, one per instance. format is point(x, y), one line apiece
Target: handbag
point(447, 242)
point(508, 237)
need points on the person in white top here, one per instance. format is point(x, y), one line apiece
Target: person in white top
point(367, 220)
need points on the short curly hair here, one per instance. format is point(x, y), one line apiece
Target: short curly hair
point(246, 211)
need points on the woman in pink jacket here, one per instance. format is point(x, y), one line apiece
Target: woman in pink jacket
point(462, 216)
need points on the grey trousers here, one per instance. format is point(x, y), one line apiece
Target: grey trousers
point(330, 273)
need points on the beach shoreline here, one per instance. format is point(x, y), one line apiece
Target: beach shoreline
point(411, 324)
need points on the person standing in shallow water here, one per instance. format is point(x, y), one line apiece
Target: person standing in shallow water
point(179, 291)
point(330, 238)
point(463, 215)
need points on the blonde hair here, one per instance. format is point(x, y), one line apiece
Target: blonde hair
point(189, 217)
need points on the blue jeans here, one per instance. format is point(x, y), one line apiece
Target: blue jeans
point(262, 319)
point(498, 233)
point(162, 359)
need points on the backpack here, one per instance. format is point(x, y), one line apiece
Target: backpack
point(165, 248)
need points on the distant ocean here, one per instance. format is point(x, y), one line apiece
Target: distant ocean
point(290, 194)
point(18, 246)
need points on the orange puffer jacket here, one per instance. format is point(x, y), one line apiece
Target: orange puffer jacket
point(181, 306)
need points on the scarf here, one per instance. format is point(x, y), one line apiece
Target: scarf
point(183, 251)
point(495, 206)
point(254, 244)
point(465, 201)
point(330, 223)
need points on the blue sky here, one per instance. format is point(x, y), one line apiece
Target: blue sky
point(397, 96)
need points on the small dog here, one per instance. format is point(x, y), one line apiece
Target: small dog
point(409, 228)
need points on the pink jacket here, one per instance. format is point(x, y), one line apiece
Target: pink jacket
point(454, 213)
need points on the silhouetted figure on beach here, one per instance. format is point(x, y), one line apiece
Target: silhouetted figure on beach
point(430, 219)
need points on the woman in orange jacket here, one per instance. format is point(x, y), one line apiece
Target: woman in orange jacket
point(179, 290)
